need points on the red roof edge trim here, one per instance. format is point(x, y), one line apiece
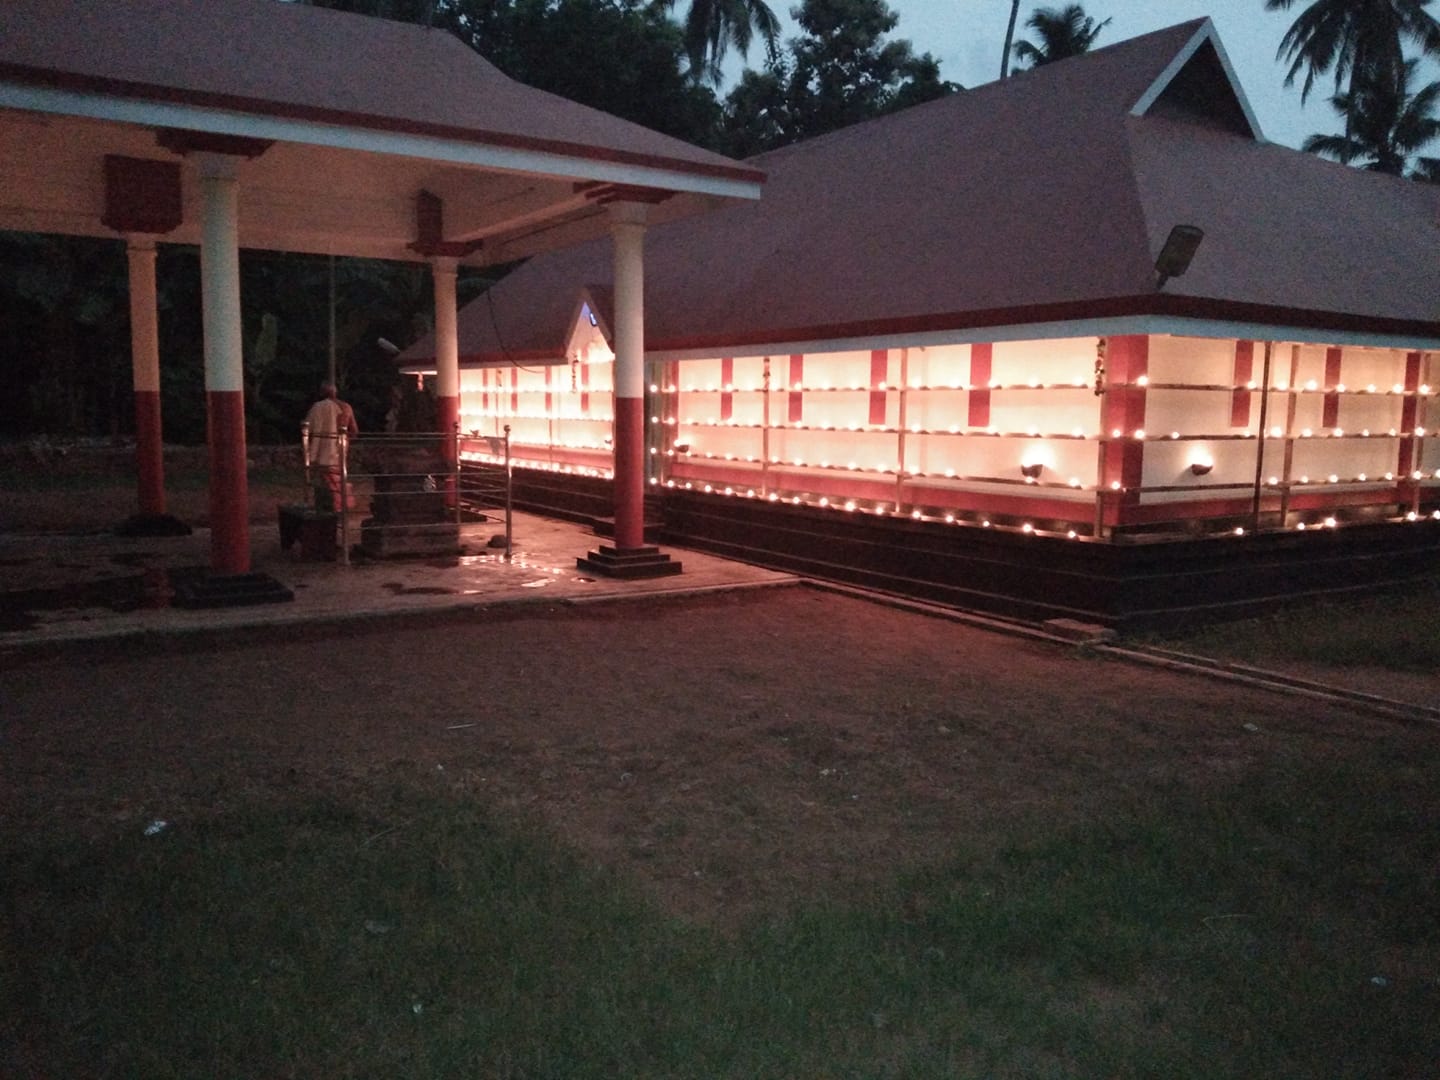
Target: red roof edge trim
point(125, 88)
point(1192, 307)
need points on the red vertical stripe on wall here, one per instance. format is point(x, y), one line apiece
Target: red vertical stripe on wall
point(879, 374)
point(514, 390)
point(1331, 415)
point(1127, 357)
point(549, 393)
point(1409, 413)
point(727, 381)
point(584, 389)
point(485, 391)
point(1244, 372)
point(797, 398)
point(982, 358)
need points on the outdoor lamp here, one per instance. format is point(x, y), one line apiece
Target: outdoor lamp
point(1174, 258)
point(1031, 470)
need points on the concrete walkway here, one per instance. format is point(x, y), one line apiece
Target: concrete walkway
point(57, 589)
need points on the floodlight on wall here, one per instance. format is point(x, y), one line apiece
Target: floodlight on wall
point(1032, 470)
point(1201, 466)
point(1174, 258)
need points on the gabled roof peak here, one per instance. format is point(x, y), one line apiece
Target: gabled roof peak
point(1199, 86)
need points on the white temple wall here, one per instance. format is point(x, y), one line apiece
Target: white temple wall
point(960, 429)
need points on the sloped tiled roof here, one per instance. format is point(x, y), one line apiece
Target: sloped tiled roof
point(1045, 196)
point(295, 61)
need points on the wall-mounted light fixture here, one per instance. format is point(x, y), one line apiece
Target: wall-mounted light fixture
point(1201, 466)
point(682, 448)
point(1174, 258)
point(1032, 470)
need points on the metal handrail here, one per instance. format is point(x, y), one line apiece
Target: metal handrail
point(467, 487)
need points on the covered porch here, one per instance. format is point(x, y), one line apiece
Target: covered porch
point(252, 124)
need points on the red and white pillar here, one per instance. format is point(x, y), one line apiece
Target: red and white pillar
point(145, 366)
point(224, 363)
point(627, 230)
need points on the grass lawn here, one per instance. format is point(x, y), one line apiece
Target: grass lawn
point(1397, 631)
point(1286, 927)
point(368, 919)
point(88, 491)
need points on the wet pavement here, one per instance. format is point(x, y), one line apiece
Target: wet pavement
point(58, 589)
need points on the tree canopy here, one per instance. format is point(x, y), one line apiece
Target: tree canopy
point(1063, 32)
point(1362, 40)
point(712, 26)
point(841, 71)
point(624, 57)
point(1385, 127)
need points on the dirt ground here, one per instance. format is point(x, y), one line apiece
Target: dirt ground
point(734, 753)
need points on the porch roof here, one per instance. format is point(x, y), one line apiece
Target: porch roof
point(359, 115)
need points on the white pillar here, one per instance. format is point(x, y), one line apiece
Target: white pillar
point(447, 341)
point(627, 230)
point(447, 362)
point(145, 371)
point(224, 363)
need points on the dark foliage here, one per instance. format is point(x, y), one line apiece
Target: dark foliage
point(840, 72)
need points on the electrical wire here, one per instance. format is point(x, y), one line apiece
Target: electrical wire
point(499, 338)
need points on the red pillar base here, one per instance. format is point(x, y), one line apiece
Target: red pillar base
point(229, 494)
point(629, 473)
point(149, 453)
point(447, 416)
point(629, 563)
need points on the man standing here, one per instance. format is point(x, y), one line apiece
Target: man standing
point(326, 419)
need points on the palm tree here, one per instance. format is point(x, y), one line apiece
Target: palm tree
point(712, 26)
point(1361, 39)
point(1385, 125)
point(1064, 32)
point(1009, 37)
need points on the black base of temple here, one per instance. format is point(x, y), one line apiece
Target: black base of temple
point(230, 590)
point(628, 563)
point(1127, 586)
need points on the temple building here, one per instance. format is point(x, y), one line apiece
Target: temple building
point(1088, 303)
